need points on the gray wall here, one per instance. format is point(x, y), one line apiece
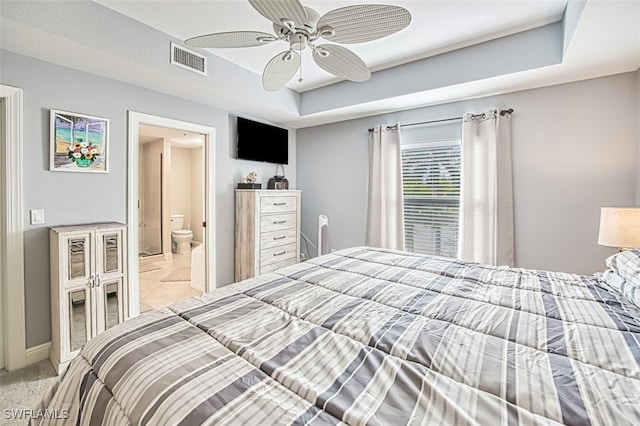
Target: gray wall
point(72, 198)
point(575, 149)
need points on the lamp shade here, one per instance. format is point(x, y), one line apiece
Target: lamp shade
point(619, 227)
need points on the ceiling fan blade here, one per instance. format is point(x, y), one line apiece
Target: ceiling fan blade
point(280, 69)
point(279, 10)
point(341, 62)
point(231, 39)
point(364, 22)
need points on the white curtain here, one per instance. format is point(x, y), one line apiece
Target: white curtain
point(486, 189)
point(385, 211)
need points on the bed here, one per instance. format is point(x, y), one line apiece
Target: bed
point(368, 336)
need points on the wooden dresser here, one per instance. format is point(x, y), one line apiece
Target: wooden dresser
point(267, 231)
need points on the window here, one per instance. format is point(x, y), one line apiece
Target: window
point(431, 187)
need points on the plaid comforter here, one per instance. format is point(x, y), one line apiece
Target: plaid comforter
point(369, 337)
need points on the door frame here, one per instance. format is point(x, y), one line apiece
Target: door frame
point(12, 297)
point(134, 121)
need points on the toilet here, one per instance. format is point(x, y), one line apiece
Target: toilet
point(180, 238)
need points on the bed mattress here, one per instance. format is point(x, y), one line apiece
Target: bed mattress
point(368, 336)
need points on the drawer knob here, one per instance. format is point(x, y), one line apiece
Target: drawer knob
point(279, 238)
point(279, 222)
point(279, 254)
point(279, 204)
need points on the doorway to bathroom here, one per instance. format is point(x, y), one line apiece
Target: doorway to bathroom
point(170, 191)
point(170, 215)
point(171, 205)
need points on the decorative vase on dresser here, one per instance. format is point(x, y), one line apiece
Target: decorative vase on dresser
point(88, 285)
point(267, 231)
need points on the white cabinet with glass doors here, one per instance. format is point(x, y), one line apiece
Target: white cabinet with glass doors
point(88, 285)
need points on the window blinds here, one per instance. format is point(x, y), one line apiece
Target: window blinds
point(431, 191)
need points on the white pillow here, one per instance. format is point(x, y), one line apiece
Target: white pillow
point(614, 280)
point(623, 274)
point(626, 264)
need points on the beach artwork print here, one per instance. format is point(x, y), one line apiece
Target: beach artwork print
point(79, 142)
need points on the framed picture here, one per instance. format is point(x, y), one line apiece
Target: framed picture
point(78, 143)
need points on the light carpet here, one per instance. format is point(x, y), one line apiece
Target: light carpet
point(22, 390)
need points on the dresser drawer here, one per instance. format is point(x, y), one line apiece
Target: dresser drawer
point(277, 222)
point(277, 254)
point(277, 265)
point(277, 238)
point(278, 204)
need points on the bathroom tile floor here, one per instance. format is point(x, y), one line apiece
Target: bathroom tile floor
point(165, 282)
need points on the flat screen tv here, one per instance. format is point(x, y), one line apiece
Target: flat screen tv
point(262, 142)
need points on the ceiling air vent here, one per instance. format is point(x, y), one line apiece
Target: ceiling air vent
point(187, 59)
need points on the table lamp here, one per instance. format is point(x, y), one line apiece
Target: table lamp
point(619, 227)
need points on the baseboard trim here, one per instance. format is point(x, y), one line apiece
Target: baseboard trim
point(38, 353)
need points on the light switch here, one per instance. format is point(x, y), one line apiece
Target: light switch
point(37, 216)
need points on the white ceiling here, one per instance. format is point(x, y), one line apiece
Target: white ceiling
point(436, 26)
point(178, 138)
point(452, 50)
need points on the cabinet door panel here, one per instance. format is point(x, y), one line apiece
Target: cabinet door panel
point(112, 303)
point(79, 260)
point(111, 253)
point(78, 302)
point(110, 257)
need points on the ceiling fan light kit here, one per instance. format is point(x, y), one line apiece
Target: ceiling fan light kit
point(302, 26)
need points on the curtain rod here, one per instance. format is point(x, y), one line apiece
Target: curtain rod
point(502, 112)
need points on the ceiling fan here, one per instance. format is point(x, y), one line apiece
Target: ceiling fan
point(301, 27)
